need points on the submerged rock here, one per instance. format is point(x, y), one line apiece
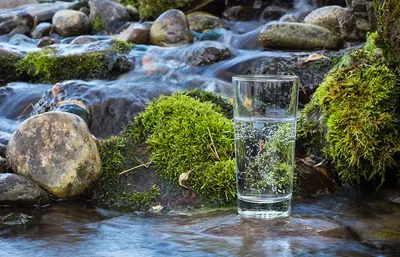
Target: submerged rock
point(108, 14)
point(206, 53)
point(202, 21)
point(42, 30)
point(171, 29)
point(10, 21)
point(69, 23)
point(18, 190)
point(57, 151)
point(326, 17)
point(298, 36)
point(81, 40)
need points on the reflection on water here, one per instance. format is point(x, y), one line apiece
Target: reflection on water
point(79, 229)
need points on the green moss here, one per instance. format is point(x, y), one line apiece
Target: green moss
point(388, 39)
point(8, 68)
point(358, 101)
point(154, 8)
point(387, 235)
point(98, 25)
point(186, 135)
point(49, 66)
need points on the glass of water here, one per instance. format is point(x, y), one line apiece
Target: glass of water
point(265, 110)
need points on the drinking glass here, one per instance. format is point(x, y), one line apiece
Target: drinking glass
point(265, 110)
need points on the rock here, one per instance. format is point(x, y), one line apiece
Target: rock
point(85, 10)
point(25, 30)
point(136, 33)
point(10, 21)
point(69, 23)
point(44, 12)
point(81, 40)
point(57, 151)
point(213, 34)
point(358, 6)
point(109, 14)
point(202, 21)
point(298, 36)
point(18, 190)
point(273, 12)
point(15, 3)
point(3, 165)
point(42, 30)
point(326, 17)
point(171, 29)
point(288, 18)
point(46, 41)
point(19, 39)
point(238, 13)
point(347, 25)
point(133, 12)
point(206, 53)
point(214, 7)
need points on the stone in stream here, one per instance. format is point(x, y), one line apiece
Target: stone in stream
point(11, 20)
point(207, 52)
point(81, 40)
point(202, 21)
point(108, 15)
point(21, 39)
point(136, 33)
point(46, 41)
point(69, 23)
point(326, 17)
point(85, 10)
point(273, 12)
point(57, 151)
point(18, 190)
point(298, 36)
point(3, 165)
point(43, 29)
point(171, 29)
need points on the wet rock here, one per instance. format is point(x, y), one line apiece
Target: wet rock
point(8, 61)
point(13, 219)
point(347, 25)
point(213, 34)
point(134, 12)
point(18, 190)
point(136, 33)
point(110, 14)
point(273, 12)
point(3, 165)
point(15, 3)
point(298, 36)
point(81, 40)
point(57, 151)
point(85, 10)
point(19, 39)
point(288, 18)
point(238, 13)
point(69, 23)
point(10, 21)
point(206, 53)
point(25, 30)
point(202, 21)
point(42, 30)
point(326, 17)
point(46, 41)
point(171, 29)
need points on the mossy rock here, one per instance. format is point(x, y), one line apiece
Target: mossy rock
point(8, 66)
point(154, 8)
point(102, 60)
point(388, 15)
point(358, 123)
point(202, 21)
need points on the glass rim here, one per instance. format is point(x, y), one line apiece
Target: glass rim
point(269, 77)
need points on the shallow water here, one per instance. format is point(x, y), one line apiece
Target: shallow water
point(79, 229)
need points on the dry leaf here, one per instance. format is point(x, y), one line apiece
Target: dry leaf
point(183, 177)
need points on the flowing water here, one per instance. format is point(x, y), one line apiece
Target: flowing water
point(80, 229)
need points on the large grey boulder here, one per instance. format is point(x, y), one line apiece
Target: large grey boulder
point(58, 152)
point(298, 36)
point(42, 30)
point(326, 17)
point(109, 14)
point(69, 23)
point(171, 29)
point(18, 190)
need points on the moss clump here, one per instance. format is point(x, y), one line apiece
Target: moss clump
point(388, 39)
point(188, 136)
point(98, 25)
point(359, 121)
point(154, 8)
point(8, 68)
point(49, 66)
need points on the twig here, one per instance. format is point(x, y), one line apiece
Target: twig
point(136, 167)
point(140, 161)
point(212, 143)
point(23, 112)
